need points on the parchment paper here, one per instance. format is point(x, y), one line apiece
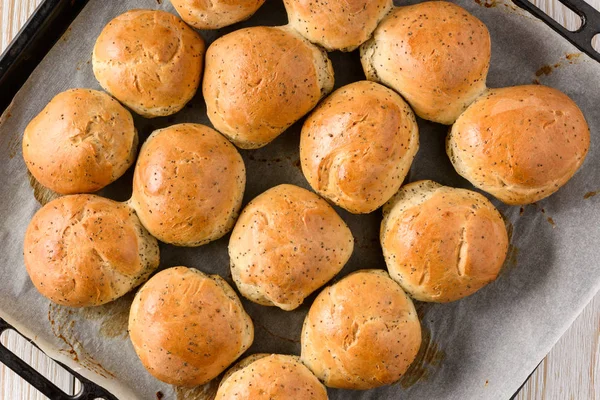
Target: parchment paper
point(482, 347)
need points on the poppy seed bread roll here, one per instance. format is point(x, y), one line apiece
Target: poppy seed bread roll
point(435, 54)
point(358, 145)
point(286, 244)
point(85, 250)
point(149, 60)
point(337, 25)
point(215, 14)
point(441, 243)
point(521, 143)
point(80, 142)
point(270, 377)
point(188, 327)
point(188, 184)
point(361, 333)
point(259, 81)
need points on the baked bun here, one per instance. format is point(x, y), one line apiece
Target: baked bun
point(85, 250)
point(188, 327)
point(188, 185)
point(337, 25)
point(271, 377)
point(361, 333)
point(80, 142)
point(150, 60)
point(440, 243)
point(215, 14)
point(357, 146)
point(521, 144)
point(258, 81)
point(286, 244)
point(435, 54)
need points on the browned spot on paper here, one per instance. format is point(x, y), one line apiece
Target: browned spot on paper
point(486, 3)
point(41, 193)
point(114, 316)
point(572, 57)
point(545, 70)
point(486, 382)
point(159, 395)
point(208, 391)
point(66, 35)
point(521, 211)
point(159, 1)
point(428, 358)
point(536, 82)
point(298, 164)
point(551, 221)
point(590, 194)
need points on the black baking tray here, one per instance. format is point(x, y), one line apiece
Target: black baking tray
point(46, 26)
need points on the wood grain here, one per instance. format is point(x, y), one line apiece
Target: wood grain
point(570, 371)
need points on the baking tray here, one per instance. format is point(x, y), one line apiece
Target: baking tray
point(51, 20)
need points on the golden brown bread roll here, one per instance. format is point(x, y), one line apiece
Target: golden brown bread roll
point(150, 60)
point(435, 54)
point(286, 244)
point(361, 333)
point(188, 185)
point(80, 142)
point(441, 243)
point(521, 144)
point(337, 25)
point(270, 377)
point(85, 250)
point(357, 146)
point(215, 14)
point(188, 327)
point(258, 81)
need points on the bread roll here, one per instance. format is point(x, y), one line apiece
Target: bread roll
point(337, 25)
point(357, 146)
point(286, 244)
point(271, 377)
point(259, 81)
point(440, 243)
point(188, 185)
point(361, 333)
point(80, 142)
point(435, 54)
point(85, 250)
point(215, 14)
point(521, 144)
point(151, 61)
point(188, 327)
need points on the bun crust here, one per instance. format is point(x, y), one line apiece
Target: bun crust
point(259, 81)
point(441, 243)
point(435, 54)
point(215, 14)
point(358, 145)
point(188, 327)
point(270, 377)
point(80, 142)
point(286, 244)
point(520, 144)
point(337, 25)
point(363, 332)
point(150, 60)
point(188, 185)
point(85, 250)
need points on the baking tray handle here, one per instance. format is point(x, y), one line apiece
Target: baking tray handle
point(89, 391)
point(582, 37)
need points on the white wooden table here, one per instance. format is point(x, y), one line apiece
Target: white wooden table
point(570, 371)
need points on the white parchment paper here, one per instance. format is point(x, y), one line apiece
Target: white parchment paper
point(482, 347)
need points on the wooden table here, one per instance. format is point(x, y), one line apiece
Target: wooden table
point(570, 371)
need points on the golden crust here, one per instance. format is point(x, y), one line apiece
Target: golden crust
point(337, 25)
point(358, 145)
point(268, 377)
point(363, 332)
point(286, 244)
point(80, 142)
point(150, 60)
point(521, 144)
point(187, 327)
point(435, 54)
point(258, 81)
point(85, 250)
point(215, 14)
point(188, 184)
point(441, 243)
